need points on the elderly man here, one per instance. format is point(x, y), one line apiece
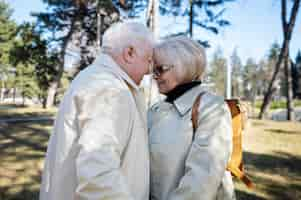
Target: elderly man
point(99, 146)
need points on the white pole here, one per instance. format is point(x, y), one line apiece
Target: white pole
point(152, 17)
point(229, 86)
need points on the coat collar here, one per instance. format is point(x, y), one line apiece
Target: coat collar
point(108, 62)
point(185, 102)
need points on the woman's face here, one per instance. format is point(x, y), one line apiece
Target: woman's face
point(165, 76)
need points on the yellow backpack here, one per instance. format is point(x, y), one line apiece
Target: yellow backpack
point(235, 165)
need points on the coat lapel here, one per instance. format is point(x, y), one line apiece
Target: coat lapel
point(185, 102)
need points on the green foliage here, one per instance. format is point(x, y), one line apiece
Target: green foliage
point(26, 82)
point(7, 32)
point(297, 103)
point(281, 104)
point(296, 76)
point(207, 15)
point(237, 67)
point(217, 72)
point(36, 66)
point(250, 79)
point(75, 22)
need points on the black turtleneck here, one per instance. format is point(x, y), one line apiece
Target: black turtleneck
point(180, 90)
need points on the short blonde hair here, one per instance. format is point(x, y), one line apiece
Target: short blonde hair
point(187, 56)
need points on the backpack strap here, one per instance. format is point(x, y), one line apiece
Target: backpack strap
point(238, 173)
point(236, 157)
point(195, 113)
point(235, 164)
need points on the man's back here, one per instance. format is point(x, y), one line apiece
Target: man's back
point(99, 135)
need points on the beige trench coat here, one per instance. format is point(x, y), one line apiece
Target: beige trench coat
point(99, 146)
point(182, 169)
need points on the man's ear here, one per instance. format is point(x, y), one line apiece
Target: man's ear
point(128, 54)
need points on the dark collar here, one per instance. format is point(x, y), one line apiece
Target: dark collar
point(185, 102)
point(180, 90)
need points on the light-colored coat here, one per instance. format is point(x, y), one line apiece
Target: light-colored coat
point(183, 168)
point(99, 146)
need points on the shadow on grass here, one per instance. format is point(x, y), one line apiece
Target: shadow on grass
point(4, 116)
point(242, 195)
point(28, 191)
point(281, 131)
point(22, 149)
point(257, 123)
point(281, 179)
point(284, 164)
point(23, 195)
point(11, 106)
point(16, 133)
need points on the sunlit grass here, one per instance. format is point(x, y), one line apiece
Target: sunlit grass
point(272, 157)
point(11, 111)
point(22, 150)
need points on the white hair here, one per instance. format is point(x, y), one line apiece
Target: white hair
point(187, 57)
point(123, 34)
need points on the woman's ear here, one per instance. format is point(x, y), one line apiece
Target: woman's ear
point(128, 54)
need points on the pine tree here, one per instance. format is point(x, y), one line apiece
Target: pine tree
point(7, 33)
point(217, 72)
point(208, 15)
point(296, 76)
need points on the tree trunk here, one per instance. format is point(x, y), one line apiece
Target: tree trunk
point(272, 89)
point(42, 99)
point(56, 82)
point(51, 93)
point(191, 19)
point(14, 93)
point(100, 24)
point(289, 95)
point(287, 32)
point(2, 91)
point(152, 18)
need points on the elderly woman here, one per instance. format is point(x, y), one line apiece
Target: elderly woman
point(188, 165)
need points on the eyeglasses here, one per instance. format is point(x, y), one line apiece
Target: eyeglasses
point(159, 70)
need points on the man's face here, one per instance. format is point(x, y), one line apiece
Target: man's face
point(146, 59)
point(143, 61)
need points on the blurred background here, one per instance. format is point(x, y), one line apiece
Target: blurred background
point(254, 54)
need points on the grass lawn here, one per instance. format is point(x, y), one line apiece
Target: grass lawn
point(13, 111)
point(273, 161)
point(22, 150)
point(272, 158)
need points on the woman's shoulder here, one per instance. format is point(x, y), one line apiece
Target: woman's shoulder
point(212, 98)
point(212, 103)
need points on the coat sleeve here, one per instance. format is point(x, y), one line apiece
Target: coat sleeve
point(104, 123)
point(209, 154)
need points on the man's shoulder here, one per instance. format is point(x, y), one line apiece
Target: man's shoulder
point(95, 78)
